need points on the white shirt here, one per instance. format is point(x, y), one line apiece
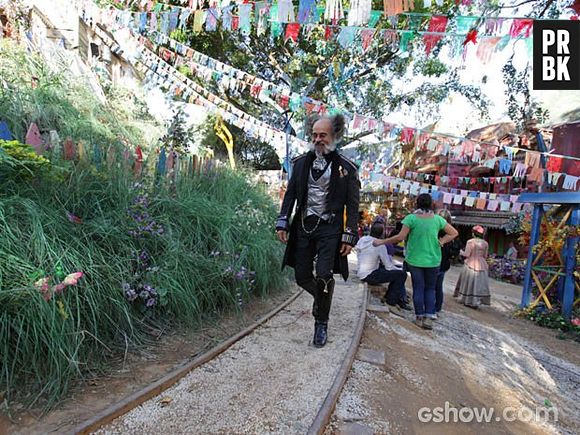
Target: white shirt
point(369, 256)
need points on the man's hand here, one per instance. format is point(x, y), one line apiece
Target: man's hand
point(282, 236)
point(345, 249)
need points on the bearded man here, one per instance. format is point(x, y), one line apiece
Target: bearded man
point(323, 184)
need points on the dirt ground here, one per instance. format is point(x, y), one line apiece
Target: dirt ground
point(472, 359)
point(137, 371)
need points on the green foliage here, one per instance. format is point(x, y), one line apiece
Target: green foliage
point(251, 152)
point(553, 319)
point(522, 108)
point(52, 97)
point(18, 161)
point(83, 225)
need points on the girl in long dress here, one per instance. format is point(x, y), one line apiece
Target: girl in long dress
point(472, 287)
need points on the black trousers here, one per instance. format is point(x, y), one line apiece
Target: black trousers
point(320, 243)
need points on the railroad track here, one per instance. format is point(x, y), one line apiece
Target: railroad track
point(274, 321)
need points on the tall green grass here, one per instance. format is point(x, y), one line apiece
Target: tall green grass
point(44, 347)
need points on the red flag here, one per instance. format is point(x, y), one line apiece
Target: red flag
point(69, 149)
point(438, 24)
point(471, 36)
point(521, 25)
point(292, 30)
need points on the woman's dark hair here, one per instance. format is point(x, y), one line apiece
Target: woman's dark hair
point(424, 202)
point(377, 230)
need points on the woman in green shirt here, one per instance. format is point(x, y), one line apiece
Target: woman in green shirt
point(423, 255)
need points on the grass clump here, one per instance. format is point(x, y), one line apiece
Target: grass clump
point(150, 256)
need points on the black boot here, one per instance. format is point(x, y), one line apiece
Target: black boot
point(320, 333)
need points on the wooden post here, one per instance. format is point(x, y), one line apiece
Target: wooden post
point(569, 255)
point(534, 238)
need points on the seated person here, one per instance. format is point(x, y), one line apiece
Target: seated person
point(512, 252)
point(370, 272)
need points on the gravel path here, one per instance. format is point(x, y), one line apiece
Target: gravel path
point(472, 358)
point(272, 381)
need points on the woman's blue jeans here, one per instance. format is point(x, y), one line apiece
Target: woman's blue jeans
point(424, 282)
point(439, 292)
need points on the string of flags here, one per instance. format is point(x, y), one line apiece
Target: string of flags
point(468, 198)
point(496, 34)
point(555, 179)
point(467, 150)
point(163, 73)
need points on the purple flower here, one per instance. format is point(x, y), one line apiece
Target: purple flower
point(144, 294)
point(131, 295)
point(150, 302)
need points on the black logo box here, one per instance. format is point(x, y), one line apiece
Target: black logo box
point(556, 55)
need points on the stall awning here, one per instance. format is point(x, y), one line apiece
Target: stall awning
point(496, 222)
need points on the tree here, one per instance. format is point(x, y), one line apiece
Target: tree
point(350, 78)
point(249, 151)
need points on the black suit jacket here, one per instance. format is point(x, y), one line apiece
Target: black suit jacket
point(344, 194)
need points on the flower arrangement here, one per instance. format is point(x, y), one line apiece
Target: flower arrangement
point(553, 318)
point(504, 269)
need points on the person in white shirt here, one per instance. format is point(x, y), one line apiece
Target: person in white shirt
point(373, 273)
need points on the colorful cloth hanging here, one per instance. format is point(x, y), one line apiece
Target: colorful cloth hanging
point(292, 31)
point(360, 12)
point(464, 24)
point(334, 11)
point(286, 11)
point(438, 24)
point(486, 49)
point(245, 11)
point(367, 38)
point(211, 20)
point(346, 36)
point(275, 26)
point(521, 26)
point(406, 37)
point(262, 12)
point(198, 20)
point(306, 11)
point(392, 7)
point(471, 37)
point(34, 139)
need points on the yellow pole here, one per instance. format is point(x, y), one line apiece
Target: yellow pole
point(224, 134)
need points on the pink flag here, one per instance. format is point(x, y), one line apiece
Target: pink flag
point(33, 138)
point(521, 25)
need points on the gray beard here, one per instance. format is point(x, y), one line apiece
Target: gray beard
point(327, 149)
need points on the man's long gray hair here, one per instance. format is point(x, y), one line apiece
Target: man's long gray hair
point(338, 128)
